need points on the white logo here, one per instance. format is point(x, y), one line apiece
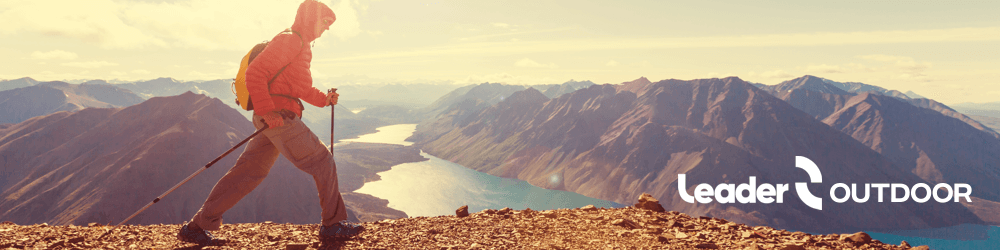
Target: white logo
point(814, 176)
point(767, 193)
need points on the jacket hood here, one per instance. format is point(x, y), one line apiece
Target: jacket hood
point(305, 19)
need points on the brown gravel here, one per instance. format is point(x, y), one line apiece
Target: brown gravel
point(590, 228)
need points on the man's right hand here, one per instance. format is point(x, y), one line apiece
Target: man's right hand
point(332, 97)
point(273, 119)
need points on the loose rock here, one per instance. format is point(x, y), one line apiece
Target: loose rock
point(647, 202)
point(792, 247)
point(504, 211)
point(462, 211)
point(619, 228)
point(707, 246)
point(296, 246)
point(860, 238)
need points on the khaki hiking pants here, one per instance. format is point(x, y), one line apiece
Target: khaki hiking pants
point(297, 143)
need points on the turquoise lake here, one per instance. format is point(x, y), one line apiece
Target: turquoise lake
point(438, 187)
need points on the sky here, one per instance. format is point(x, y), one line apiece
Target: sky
point(945, 50)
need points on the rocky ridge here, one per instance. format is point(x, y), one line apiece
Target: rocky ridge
point(581, 228)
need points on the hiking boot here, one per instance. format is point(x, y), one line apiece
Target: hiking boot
point(341, 230)
point(200, 237)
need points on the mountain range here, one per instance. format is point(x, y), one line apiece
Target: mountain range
point(614, 142)
point(821, 97)
point(921, 136)
point(19, 104)
point(102, 164)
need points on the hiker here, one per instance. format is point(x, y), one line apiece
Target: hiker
point(279, 107)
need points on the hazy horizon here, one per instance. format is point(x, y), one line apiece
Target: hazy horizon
point(943, 51)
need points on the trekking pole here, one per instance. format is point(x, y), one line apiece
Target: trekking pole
point(187, 179)
point(332, 111)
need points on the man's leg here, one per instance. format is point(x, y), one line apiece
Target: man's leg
point(250, 169)
point(297, 143)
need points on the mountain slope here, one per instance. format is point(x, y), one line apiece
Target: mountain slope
point(821, 97)
point(19, 104)
point(490, 93)
point(933, 146)
point(921, 136)
point(615, 141)
point(104, 164)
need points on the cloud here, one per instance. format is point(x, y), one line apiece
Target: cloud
point(516, 33)
point(55, 54)
point(528, 63)
point(506, 78)
point(859, 66)
point(901, 62)
point(198, 24)
point(90, 64)
point(823, 68)
point(912, 65)
point(347, 24)
point(884, 58)
point(776, 74)
point(612, 63)
point(97, 21)
point(501, 25)
point(614, 44)
point(913, 77)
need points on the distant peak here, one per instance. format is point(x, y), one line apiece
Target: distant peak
point(171, 79)
point(642, 80)
point(530, 95)
point(733, 78)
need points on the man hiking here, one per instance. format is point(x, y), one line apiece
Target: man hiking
point(285, 59)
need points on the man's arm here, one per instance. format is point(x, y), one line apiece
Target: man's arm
point(315, 97)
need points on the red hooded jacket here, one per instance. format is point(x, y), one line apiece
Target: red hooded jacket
point(288, 49)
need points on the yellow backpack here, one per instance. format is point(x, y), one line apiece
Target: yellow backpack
point(239, 85)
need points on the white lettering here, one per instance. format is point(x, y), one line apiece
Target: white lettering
point(959, 193)
point(906, 192)
point(782, 188)
point(749, 188)
point(946, 187)
point(880, 186)
point(682, 189)
point(854, 192)
point(926, 189)
point(729, 188)
point(765, 192)
point(833, 191)
point(701, 193)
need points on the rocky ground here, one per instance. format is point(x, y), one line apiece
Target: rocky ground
point(639, 227)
